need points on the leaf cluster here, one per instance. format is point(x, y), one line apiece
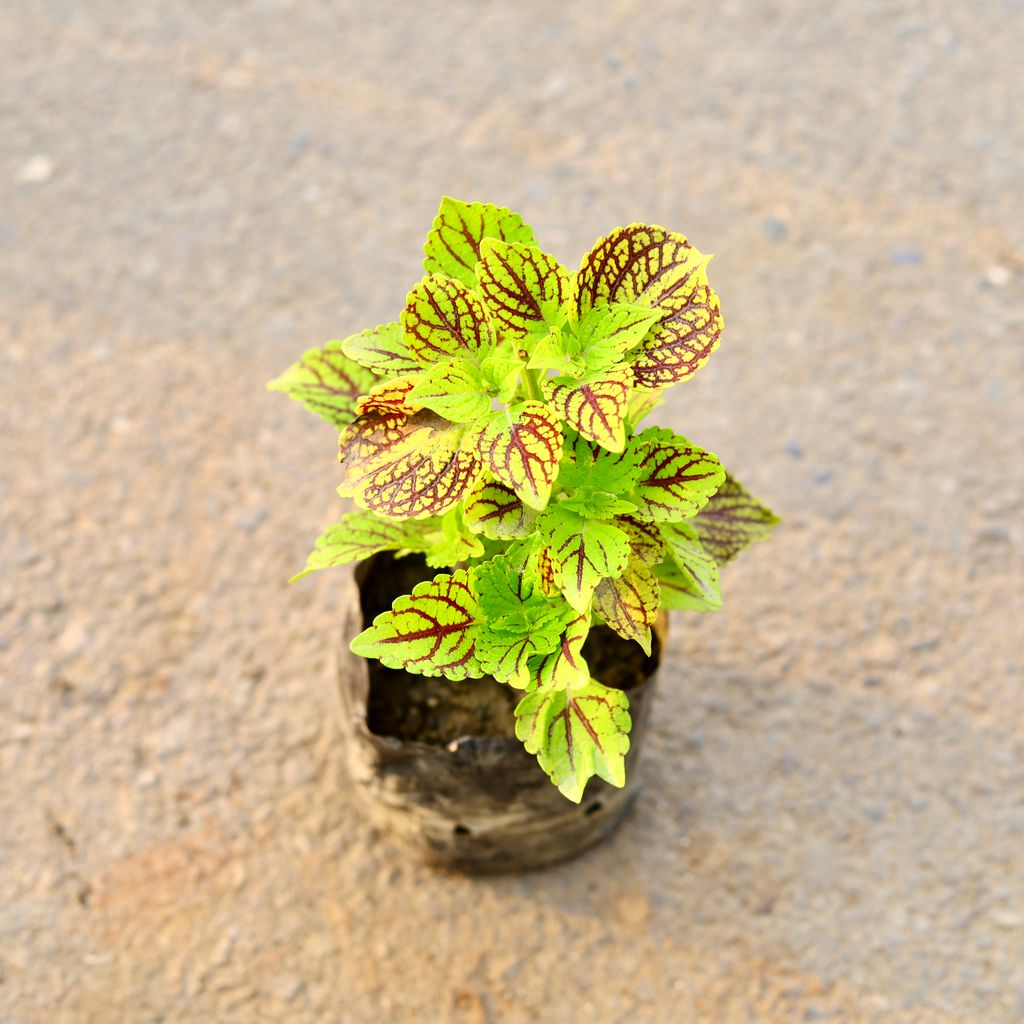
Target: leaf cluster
point(493, 428)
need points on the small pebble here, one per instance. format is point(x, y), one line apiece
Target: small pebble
point(36, 171)
point(906, 257)
point(998, 276)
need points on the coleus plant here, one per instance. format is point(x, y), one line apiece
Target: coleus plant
point(493, 428)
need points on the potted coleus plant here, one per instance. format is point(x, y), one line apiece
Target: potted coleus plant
point(519, 536)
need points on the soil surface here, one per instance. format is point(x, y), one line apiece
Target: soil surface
point(437, 711)
point(193, 193)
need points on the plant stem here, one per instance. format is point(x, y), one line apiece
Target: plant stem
point(532, 381)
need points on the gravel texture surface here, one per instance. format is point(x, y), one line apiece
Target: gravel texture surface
point(192, 193)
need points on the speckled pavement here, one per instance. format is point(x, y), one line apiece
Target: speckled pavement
point(192, 193)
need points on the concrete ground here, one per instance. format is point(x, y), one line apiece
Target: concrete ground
point(192, 193)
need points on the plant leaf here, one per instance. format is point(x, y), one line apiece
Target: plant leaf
point(584, 552)
point(450, 541)
point(576, 734)
point(522, 287)
point(642, 404)
point(415, 469)
point(595, 406)
point(732, 520)
point(326, 382)
point(453, 244)
point(645, 540)
point(381, 349)
point(556, 350)
point(606, 333)
point(431, 631)
point(648, 266)
point(677, 477)
point(390, 398)
point(629, 604)
point(520, 621)
point(565, 666)
point(454, 389)
point(497, 512)
point(443, 318)
point(521, 447)
point(691, 580)
point(357, 535)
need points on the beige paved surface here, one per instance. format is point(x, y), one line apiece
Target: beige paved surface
point(192, 192)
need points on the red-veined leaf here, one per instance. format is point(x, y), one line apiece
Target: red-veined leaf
point(443, 318)
point(521, 447)
point(676, 478)
point(584, 551)
point(576, 733)
point(646, 265)
point(596, 407)
point(522, 287)
point(381, 349)
point(431, 631)
point(645, 540)
point(453, 245)
point(629, 604)
point(732, 520)
point(690, 579)
point(497, 512)
point(326, 382)
point(565, 666)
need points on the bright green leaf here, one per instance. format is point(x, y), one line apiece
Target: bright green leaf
point(691, 580)
point(455, 389)
point(607, 332)
point(501, 374)
point(520, 621)
point(326, 382)
point(431, 631)
point(577, 734)
point(584, 552)
point(453, 245)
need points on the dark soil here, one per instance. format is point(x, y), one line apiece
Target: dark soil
point(437, 711)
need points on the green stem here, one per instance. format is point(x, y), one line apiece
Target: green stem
point(532, 380)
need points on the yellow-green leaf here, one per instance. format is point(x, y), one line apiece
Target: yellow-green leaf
point(690, 579)
point(381, 349)
point(576, 734)
point(411, 470)
point(629, 604)
point(497, 512)
point(326, 382)
point(676, 478)
point(584, 552)
point(646, 265)
point(443, 318)
point(455, 389)
point(358, 535)
point(521, 447)
point(522, 287)
point(431, 631)
point(453, 245)
point(732, 520)
point(595, 406)
point(607, 332)
point(565, 666)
